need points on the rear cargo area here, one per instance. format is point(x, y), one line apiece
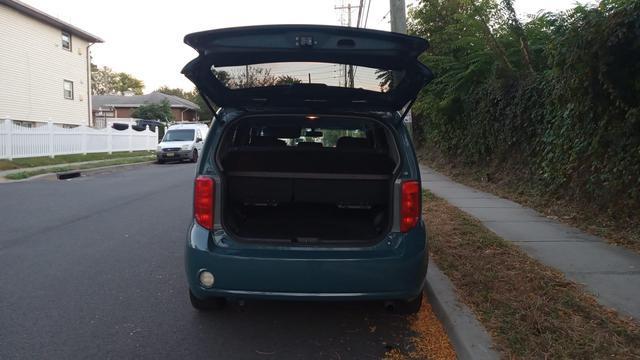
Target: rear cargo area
point(281, 186)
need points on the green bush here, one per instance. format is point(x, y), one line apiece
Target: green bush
point(570, 123)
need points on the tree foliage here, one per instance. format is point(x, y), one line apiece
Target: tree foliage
point(154, 111)
point(204, 113)
point(555, 99)
point(105, 81)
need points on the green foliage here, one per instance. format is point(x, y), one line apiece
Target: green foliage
point(154, 111)
point(106, 82)
point(204, 113)
point(569, 123)
point(286, 80)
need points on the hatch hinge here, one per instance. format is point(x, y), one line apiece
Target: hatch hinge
point(406, 111)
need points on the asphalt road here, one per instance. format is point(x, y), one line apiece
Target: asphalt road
point(93, 268)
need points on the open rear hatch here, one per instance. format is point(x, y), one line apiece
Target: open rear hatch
point(391, 58)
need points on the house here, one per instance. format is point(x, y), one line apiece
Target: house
point(106, 107)
point(44, 67)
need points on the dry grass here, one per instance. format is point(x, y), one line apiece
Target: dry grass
point(531, 310)
point(611, 226)
point(430, 341)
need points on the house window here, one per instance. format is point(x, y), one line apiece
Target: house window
point(66, 41)
point(68, 89)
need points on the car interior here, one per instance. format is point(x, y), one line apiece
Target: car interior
point(307, 179)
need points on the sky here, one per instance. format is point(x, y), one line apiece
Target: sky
point(144, 37)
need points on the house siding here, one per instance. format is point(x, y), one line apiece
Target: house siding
point(33, 67)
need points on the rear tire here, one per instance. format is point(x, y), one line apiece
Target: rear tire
point(194, 156)
point(209, 304)
point(410, 306)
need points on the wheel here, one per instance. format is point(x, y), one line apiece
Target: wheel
point(160, 161)
point(215, 303)
point(194, 156)
point(410, 306)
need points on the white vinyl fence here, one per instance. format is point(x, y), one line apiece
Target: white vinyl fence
point(49, 139)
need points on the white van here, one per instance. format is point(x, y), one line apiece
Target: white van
point(182, 142)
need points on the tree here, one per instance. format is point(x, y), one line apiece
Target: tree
point(154, 111)
point(204, 113)
point(251, 77)
point(287, 80)
point(223, 76)
point(104, 81)
point(516, 27)
point(385, 78)
point(181, 93)
point(126, 83)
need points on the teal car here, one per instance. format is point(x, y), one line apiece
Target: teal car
point(308, 186)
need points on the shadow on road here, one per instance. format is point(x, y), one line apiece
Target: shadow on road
point(297, 330)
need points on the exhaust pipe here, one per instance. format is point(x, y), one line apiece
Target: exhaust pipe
point(390, 306)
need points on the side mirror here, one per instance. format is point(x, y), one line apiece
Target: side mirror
point(198, 139)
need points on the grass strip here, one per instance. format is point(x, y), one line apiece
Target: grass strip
point(531, 310)
point(122, 161)
point(66, 159)
point(617, 226)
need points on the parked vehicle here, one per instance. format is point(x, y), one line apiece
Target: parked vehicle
point(182, 142)
point(305, 190)
point(152, 124)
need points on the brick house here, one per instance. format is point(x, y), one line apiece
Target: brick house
point(108, 107)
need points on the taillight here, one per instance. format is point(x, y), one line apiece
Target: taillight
point(410, 196)
point(203, 200)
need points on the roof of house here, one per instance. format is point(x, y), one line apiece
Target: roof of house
point(137, 100)
point(48, 19)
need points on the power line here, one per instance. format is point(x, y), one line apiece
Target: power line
point(366, 19)
point(385, 15)
point(360, 13)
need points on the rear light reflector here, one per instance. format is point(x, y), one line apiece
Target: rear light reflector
point(410, 197)
point(203, 200)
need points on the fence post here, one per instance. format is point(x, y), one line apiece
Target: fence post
point(8, 124)
point(84, 141)
point(50, 128)
point(109, 140)
point(130, 138)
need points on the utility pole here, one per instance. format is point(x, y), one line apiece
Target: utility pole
point(348, 69)
point(246, 72)
point(399, 24)
point(398, 16)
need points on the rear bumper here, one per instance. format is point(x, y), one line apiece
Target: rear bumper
point(395, 268)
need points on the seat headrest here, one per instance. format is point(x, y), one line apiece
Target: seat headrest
point(348, 142)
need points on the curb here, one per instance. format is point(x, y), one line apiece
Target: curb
point(82, 171)
point(468, 337)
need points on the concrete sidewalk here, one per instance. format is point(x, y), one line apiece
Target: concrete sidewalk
point(611, 273)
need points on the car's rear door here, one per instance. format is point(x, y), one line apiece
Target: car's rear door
point(280, 56)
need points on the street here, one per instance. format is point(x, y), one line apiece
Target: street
point(93, 268)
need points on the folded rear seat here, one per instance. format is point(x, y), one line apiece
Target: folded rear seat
point(350, 174)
